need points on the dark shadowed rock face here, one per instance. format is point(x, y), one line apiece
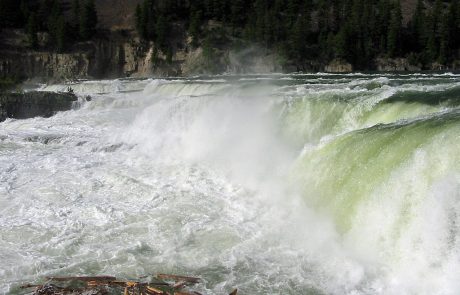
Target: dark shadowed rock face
point(34, 104)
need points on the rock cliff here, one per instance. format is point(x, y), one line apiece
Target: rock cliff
point(112, 55)
point(122, 54)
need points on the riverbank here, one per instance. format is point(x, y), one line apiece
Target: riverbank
point(119, 54)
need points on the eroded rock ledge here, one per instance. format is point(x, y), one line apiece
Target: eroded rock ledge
point(34, 104)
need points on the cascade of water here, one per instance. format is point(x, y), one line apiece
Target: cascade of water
point(305, 183)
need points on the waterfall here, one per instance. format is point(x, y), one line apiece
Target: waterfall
point(297, 184)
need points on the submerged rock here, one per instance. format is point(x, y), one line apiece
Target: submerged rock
point(34, 104)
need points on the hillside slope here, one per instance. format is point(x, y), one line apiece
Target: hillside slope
point(117, 50)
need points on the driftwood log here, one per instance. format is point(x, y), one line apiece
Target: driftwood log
point(163, 284)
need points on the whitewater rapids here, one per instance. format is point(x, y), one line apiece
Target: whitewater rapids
point(274, 184)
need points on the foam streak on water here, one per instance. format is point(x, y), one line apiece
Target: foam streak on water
point(296, 184)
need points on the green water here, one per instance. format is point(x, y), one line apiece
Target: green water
point(274, 184)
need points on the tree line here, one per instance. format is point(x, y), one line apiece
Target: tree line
point(64, 25)
point(353, 30)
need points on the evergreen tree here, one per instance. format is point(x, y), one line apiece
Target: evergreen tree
point(292, 12)
point(151, 20)
point(161, 33)
point(88, 20)
point(384, 16)
point(236, 8)
point(299, 34)
point(432, 47)
point(25, 11)
point(394, 31)
point(194, 28)
point(323, 15)
point(10, 14)
point(297, 40)
point(279, 29)
point(76, 13)
point(417, 27)
point(43, 13)
point(141, 22)
point(61, 35)
point(453, 24)
point(355, 30)
point(444, 40)
point(260, 8)
point(32, 29)
point(335, 20)
point(53, 20)
point(208, 54)
point(169, 55)
point(342, 43)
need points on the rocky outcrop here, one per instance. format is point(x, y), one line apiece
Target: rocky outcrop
point(338, 66)
point(115, 54)
point(395, 65)
point(109, 55)
point(34, 104)
point(44, 65)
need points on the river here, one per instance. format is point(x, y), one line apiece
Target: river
point(292, 184)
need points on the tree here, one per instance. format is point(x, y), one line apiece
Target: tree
point(195, 26)
point(384, 15)
point(260, 8)
point(299, 34)
point(88, 20)
point(10, 14)
point(209, 54)
point(417, 27)
point(342, 44)
point(53, 20)
point(141, 22)
point(394, 31)
point(236, 8)
point(61, 34)
point(43, 13)
point(150, 17)
point(76, 13)
point(453, 23)
point(161, 31)
point(323, 15)
point(25, 11)
point(444, 41)
point(32, 29)
point(432, 48)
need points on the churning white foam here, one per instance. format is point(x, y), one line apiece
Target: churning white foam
point(198, 178)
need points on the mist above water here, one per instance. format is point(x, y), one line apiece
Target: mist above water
point(321, 184)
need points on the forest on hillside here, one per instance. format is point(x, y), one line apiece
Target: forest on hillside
point(64, 24)
point(356, 31)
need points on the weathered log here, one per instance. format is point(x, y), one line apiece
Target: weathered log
point(154, 291)
point(102, 285)
point(179, 284)
point(30, 286)
point(83, 279)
